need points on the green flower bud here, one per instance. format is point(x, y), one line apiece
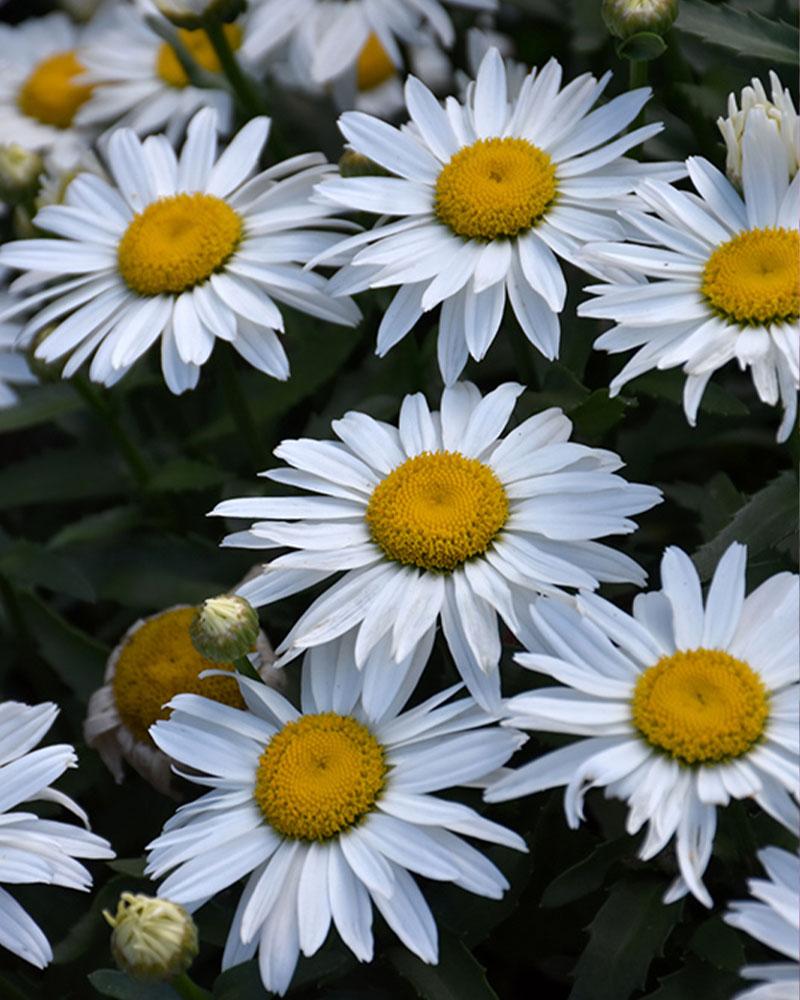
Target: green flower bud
point(20, 170)
point(193, 14)
point(353, 164)
point(224, 628)
point(629, 17)
point(153, 939)
point(45, 371)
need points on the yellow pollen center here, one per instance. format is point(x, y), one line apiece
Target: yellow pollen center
point(494, 188)
point(374, 66)
point(198, 46)
point(50, 94)
point(700, 706)
point(437, 510)
point(755, 277)
point(178, 242)
point(159, 661)
point(318, 776)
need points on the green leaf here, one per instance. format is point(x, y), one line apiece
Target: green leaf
point(31, 565)
point(717, 943)
point(669, 385)
point(746, 32)
point(242, 982)
point(94, 527)
point(696, 979)
point(185, 474)
point(627, 933)
point(40, 405)
point(588, 875)
point(54, 477)
point(768, 520)
point(134, 867)
point(458, 976)
point(598, 413)
point(111, 983)
point(642, 47)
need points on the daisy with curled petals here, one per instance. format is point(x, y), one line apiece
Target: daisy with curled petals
point(775, 922)
point(328, 810)
point(489, 193)
point(439, 516)
point(686, 706)
point(186, 249)
point(34, 849)
point(729, 277)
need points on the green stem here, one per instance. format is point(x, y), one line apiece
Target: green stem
point(188, 989)
point(637, 77)
point(246, 668)
point(196, 76)
point(240, 409)
point(14, 611)
point(243, 86)
point(127, 446)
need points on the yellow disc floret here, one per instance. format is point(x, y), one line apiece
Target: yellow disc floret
point(158, 661)
point(495, 188)
point(755, 277)
point(51, 94)
point(700, 706)
point(374, 66)
point(177, 243)
point(199, 48)
point(319, 775)
point(437, 510)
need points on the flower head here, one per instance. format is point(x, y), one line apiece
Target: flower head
point(685, 705)
point(153, 939)
point(628, 17)
point(224, 628)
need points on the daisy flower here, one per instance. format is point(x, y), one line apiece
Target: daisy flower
point(775, 922)
point(185, 249)
point(729, 279)
point(34, 849)
point(686, 706)
point(327, 809)
point(41, 88)
point(14, 369)
point(343, 28)
point(439, 516)
point(488, 194)
point(153, 661)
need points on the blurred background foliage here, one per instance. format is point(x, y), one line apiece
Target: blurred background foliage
point(91, 539)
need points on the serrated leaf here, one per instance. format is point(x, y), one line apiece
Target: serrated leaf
point(598, 413)
point(111, 983)
point(94, 527)
point(40, 405)
point(185, 474)
point(458, 975)
point(669, 385)
point(696, 979)
point(716, 942)
point(31, 565)
point(746, 32)
point(767, 520)
point(588, 875)
point(54, 477)
point(628, 932)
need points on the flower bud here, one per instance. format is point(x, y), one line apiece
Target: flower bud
point(193, 14)
point(45, 371)
point(353, 164)
point(224, 628)
point(20, 170)
point(780, 110)
point(153, 939)
point(630, 17)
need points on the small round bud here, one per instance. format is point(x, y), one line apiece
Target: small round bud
point(193, 14)
point(630, 17)
point(20, 170)
point(153, 939)
point(224, 628)
point(353, 164)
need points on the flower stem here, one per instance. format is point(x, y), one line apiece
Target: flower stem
point(188, 989)
point(108, 415)
point(637, 77)
point(245, 89)
point(240, 409)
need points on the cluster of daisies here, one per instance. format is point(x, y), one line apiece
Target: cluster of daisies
point(155, 226)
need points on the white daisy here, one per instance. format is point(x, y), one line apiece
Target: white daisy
point(41, 88)
point(775, 922)
point(730, 279)
point(153, 661)
point(34, 849)
point(14, 368)
point(488, 194)
point(187, 249)
point(439, 517)
point(327, 808)
point(685, 707)
point(344, 27)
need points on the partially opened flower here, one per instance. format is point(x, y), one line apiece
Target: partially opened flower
point(33, 849)
point(487, 195)
point(729, 278)
point(328, 810)
point(153, 661)
point(775, 922)
point(185, 250)
point(685, 706)
point(439, 517)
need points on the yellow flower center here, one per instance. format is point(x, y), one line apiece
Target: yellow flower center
point(318, 776)
point(495, 187)
point(198, 46)
point(700, 706)
point(755, 277)
point(159, 661)
point(178, 242)
point(437, 510)
point(374, 66)
point(50, 94)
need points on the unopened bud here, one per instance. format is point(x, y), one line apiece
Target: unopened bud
point(224, 628)
point(630, 17)
point(153, 939)
point(353, 164)
point(193, 14)
point(20, 170)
